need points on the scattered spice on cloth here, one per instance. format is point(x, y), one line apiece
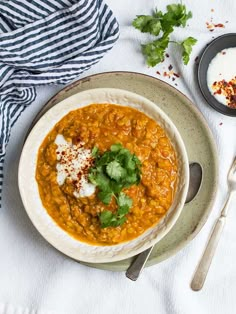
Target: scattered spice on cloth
point(169, 74)
point(212, 26)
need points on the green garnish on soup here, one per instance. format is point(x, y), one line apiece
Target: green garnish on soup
point(112, 172)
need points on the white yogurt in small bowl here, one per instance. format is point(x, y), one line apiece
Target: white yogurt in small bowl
point(221, 77)
point(216, 74)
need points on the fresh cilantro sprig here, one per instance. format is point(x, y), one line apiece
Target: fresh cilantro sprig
point(155, 50)
point(158, 22)
point(187, 46)
point(113, 171)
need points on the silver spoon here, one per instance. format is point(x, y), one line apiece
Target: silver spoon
point(195, 180)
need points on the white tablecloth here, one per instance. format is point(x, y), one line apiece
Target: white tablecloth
point(36, 278)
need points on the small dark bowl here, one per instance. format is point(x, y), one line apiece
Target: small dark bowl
point(217, 45)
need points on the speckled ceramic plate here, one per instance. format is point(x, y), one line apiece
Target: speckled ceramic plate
point(29, 192)
point(198, 141)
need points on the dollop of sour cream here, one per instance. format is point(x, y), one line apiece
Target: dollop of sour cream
point(73, 163)
point(221, 75)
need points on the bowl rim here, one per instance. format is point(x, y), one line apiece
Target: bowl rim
point(27, 143)
point(216, 45)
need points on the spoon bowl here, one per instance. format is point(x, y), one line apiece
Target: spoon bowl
point(195, 180)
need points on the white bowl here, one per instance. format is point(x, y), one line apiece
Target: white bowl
point(28, 186)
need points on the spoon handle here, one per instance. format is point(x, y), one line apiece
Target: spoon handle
point(137, 266)
point(205, 262)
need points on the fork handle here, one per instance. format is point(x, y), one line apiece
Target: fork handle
point(205, 262)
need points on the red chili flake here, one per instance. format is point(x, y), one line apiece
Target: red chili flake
point(211, 26)
point(74, 182)
point(176, 74)
point(223, 52)
point(170, 67)
point(219, 25)
point(233, 98)
point(157, 72)
point(221, 123)
point(167, 55)
point(165, 74)
point(227, 89)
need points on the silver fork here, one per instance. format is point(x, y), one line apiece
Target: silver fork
point(205, 262)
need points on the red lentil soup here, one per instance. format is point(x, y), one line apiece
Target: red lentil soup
point(102, 125)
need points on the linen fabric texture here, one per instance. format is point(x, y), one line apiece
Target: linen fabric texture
point(47, 42)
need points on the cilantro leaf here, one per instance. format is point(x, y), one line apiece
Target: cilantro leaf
point(115, 170)
point(155, 50)
point(157, 14)
point(123, 210)
point(130, 163)
point(108, 219)
point(95, 151)
point(176, 15)
point(116, 147)
point(114, 221)
point(187, 45)
point(133, 178)
point(105, 159)
point(124, 200)
point(100, 180)
point(105, 196)
point(116, 187)
point(119, 221)
point(136, 160)
point(147, 24)
point(105, 218)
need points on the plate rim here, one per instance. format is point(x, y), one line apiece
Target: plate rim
point(52, 102)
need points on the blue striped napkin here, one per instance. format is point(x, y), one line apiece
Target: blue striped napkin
point(46, 42)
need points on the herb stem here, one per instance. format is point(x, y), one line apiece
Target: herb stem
point(174, 42)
